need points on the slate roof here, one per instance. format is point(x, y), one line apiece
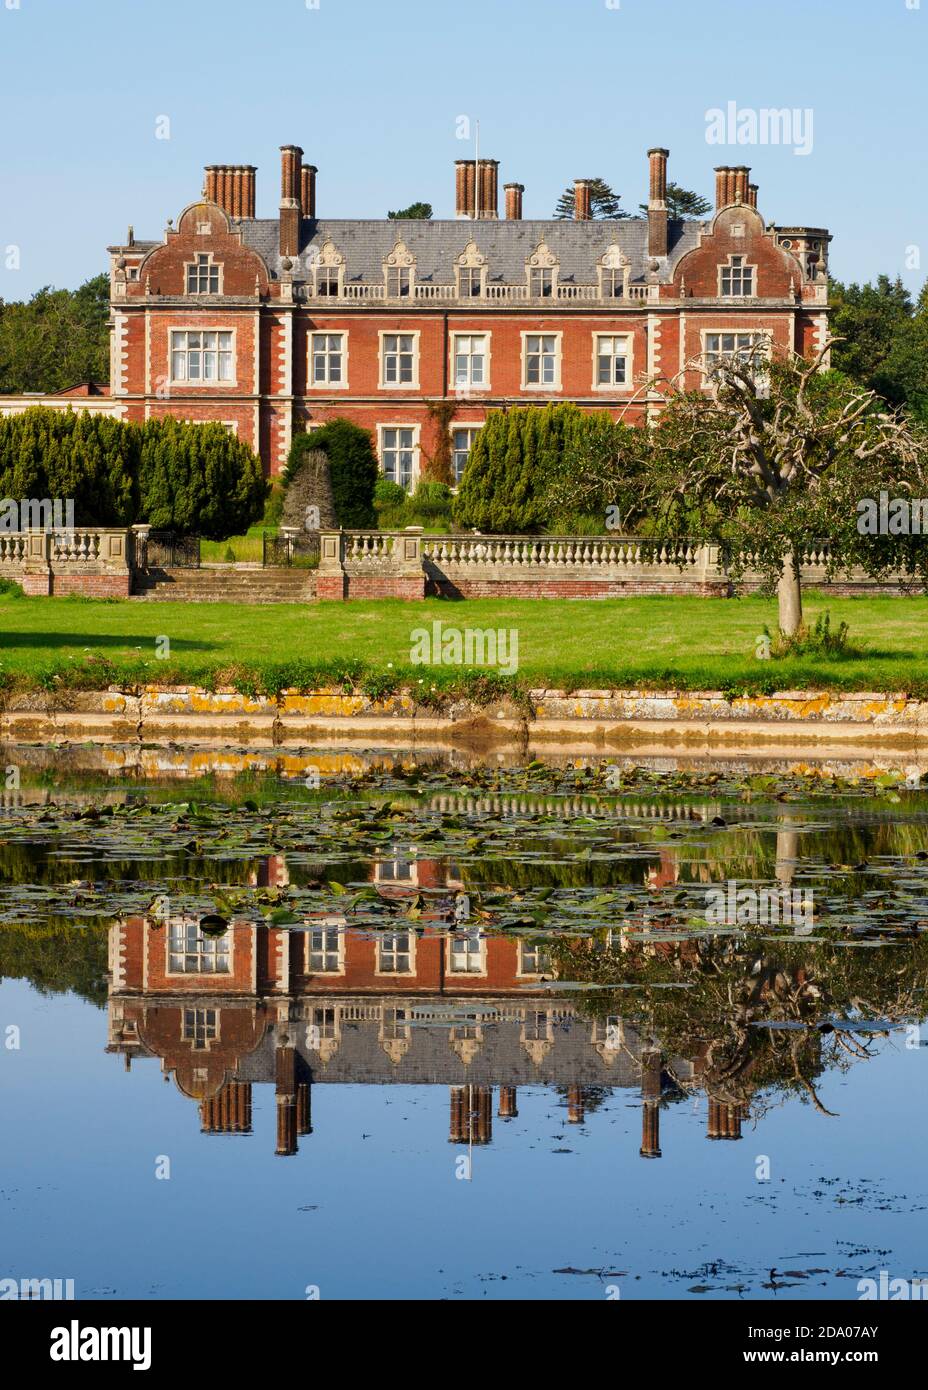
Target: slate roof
point(506, 245)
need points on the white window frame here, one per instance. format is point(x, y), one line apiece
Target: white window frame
point(612, 388)
point(537, 947)
point(469, 271)
point(206, 1042)
point(401, 425)
point(469, 936)
point(410, 934)
point(327, 385)
point(470, 387)
point(208, 947)
point(200, 382)
point(763, 334)
point(542, 386)
point(471, 428)
point(745, 269)
point(211, 265)
point(321, 270)
point(326, 926)
point(413, 385)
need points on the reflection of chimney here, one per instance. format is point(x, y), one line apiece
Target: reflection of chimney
point(575, 1106)
point(286, 1101)
point(583, 201)
point(304, 1122)
point(651, 1099)
point(724, 1120)
point(657, 203)
point(650, 1131)
point(228, 1111)
point(514, 193)
point(508, 1107)
point(457, 1132)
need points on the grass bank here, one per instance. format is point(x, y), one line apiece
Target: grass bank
point(678, 642)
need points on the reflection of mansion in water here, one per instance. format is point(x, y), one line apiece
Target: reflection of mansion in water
point(320, 1004)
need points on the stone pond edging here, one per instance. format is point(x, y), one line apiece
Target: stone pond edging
point(609, 719)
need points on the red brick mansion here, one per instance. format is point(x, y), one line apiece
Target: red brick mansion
point(272, 326)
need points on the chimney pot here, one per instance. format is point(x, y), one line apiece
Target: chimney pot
point(752, 195)
point(291, 157)
point(308, 189)
point(487, 194)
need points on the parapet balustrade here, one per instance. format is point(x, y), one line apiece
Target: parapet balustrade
point(426, 292)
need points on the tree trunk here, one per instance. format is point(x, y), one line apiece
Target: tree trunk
point(789, 595)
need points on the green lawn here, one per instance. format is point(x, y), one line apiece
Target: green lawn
point(686, 642)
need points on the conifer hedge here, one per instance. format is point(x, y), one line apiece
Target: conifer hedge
point(353, 469)
point(193, 479)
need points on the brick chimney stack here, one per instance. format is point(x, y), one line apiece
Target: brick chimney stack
point(752, 195)
point(583, 205)
point(308, 189)
point(742, 182)
point(291, 157)
point(721, 187)
point(514, 193)
point(232, 186)
point(464, 188)
point(488, 175)
point(658, 243)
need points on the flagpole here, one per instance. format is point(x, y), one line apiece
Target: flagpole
point(476, 169)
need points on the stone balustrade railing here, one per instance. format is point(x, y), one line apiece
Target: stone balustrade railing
point(423, 292)
point(90, 560)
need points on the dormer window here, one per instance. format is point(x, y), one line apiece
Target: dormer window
point(399, 269)
point(471, 268)
point(613, 271)
point(541, 283)
point(399, 282)
point(329, 267)
point(736, 279)
point(327, 278)
point(203, 276)
point(541, 269)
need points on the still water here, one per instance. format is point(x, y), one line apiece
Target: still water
point(366, 1027)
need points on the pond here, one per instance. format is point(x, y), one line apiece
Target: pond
point(444, 1026)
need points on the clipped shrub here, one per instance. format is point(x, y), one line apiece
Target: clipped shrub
point(353, 467)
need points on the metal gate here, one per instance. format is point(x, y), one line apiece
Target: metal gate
point(165, 550)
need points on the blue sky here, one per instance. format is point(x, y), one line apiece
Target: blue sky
point(373, 91)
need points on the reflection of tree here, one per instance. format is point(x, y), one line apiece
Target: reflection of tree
point(57, 958)
point(814, 992)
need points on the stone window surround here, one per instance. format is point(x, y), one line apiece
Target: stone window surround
point(326, 926)
point(311, 384)
point(194, 265)
point(410, 934)
point(469, 388)
point(383, 384)
point(558, 336)
point(416, 449)
point(612, 388)
point(705, 333)
point(745, 269)
point(200, 383)
point(481, 955)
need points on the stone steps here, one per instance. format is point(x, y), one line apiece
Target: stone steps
point(226, 584)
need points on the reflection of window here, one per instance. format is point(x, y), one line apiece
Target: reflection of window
point(541, 359)
point(536, 1026)
point(323, 1024)
point(533, 958)
point(462, 441)
point(395, 1024)
point(191, 953)
point(395, 870)
point(611, 361)
point(200, 1027)
point(395, 953)
point(326, 353)
point(203, 276)
point(470, 359)
point(323, 949)
point(466, 954)
point(737, 279)
point(201, 357)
